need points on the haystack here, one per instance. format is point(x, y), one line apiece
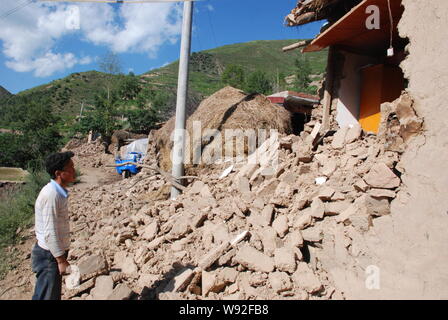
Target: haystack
point(229, 108)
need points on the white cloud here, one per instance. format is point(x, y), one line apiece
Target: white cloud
point(210, 7)
point(144, 27)
point(29, 37)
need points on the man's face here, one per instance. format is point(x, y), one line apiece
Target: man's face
point(68, 175)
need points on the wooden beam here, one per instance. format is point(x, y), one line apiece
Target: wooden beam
point(328, 90)
point(297, 45)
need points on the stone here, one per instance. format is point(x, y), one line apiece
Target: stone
point(128, 243)
point(334, 208)
point(196, 187)
point(103, 288)
point(180, 281)
point(280, 281)
point(243, 185)
point(337, 196)
point(125, 262)
point(329, 167)
point(80, 289)
point(339, 138)
point(382, 193)
point(312, 234)
point(361, 185)
point(353, 134)
point(305, 278)
point(209, 259)
point(303, 152)
point(284, 259)
point(226, 258)
point(325, 193)
point(380, 176)
point(280, 225)
point(361, 221)
point(205, 192)
point(233, 288)
point(220, 233)
point(147, 280)
point(258, 203)
point(294, 239)
point(142, 255)
point(181, 227)
point(199, 218)
point(156, 243)
point(376, 206)
point(150, 232)
point(91, 266)
point(211, 283)
point(303, 221)
point(266, 215)
point(344, 215)
point(228, 275)
point(268, 237)
point(120, 292)
point(254, 260)
point(248, 170)
point(317, 208)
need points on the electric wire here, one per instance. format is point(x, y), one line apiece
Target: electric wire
point(14, 10)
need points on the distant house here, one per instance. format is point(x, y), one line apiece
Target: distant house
point(298, 103)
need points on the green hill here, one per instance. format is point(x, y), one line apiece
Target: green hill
point(265, 55)
point(4, 92)
point(68, 94)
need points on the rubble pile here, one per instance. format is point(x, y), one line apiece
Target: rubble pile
point(244, 235)
point(89, 154)
point(228, 108)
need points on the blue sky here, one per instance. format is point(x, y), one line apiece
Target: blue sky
point(40, 42)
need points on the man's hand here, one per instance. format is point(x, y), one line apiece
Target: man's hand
point(63, 265)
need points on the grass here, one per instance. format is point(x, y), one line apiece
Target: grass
point(16, 212)
point(12, 174)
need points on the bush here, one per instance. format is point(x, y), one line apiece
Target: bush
point(233, 76)
point(258, 82)
point(16, 212)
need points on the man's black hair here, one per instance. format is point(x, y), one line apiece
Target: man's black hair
point(57, 161)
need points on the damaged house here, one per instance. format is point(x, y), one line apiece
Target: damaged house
point(387, 71)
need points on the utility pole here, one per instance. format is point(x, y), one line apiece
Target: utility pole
point(82, 108)
point(182, 84)
point(178, 154)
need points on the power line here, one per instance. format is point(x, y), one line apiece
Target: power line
point(20, 6)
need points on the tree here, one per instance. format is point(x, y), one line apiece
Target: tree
point(37, 135)
point(303, 72)
point(110, 63)
point(258, 82)
point(233, 75)
point(129, 87)
point(102, 118)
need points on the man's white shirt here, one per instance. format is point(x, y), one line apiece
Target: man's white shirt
point(52, 220)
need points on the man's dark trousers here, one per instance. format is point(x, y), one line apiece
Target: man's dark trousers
point(48, 279)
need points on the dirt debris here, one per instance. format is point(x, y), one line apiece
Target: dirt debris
point(235, 237)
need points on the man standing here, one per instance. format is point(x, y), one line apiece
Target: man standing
point(49, 254)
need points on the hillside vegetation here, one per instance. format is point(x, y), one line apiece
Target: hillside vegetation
point(68, 94)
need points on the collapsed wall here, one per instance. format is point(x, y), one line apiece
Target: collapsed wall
point(408, 247)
